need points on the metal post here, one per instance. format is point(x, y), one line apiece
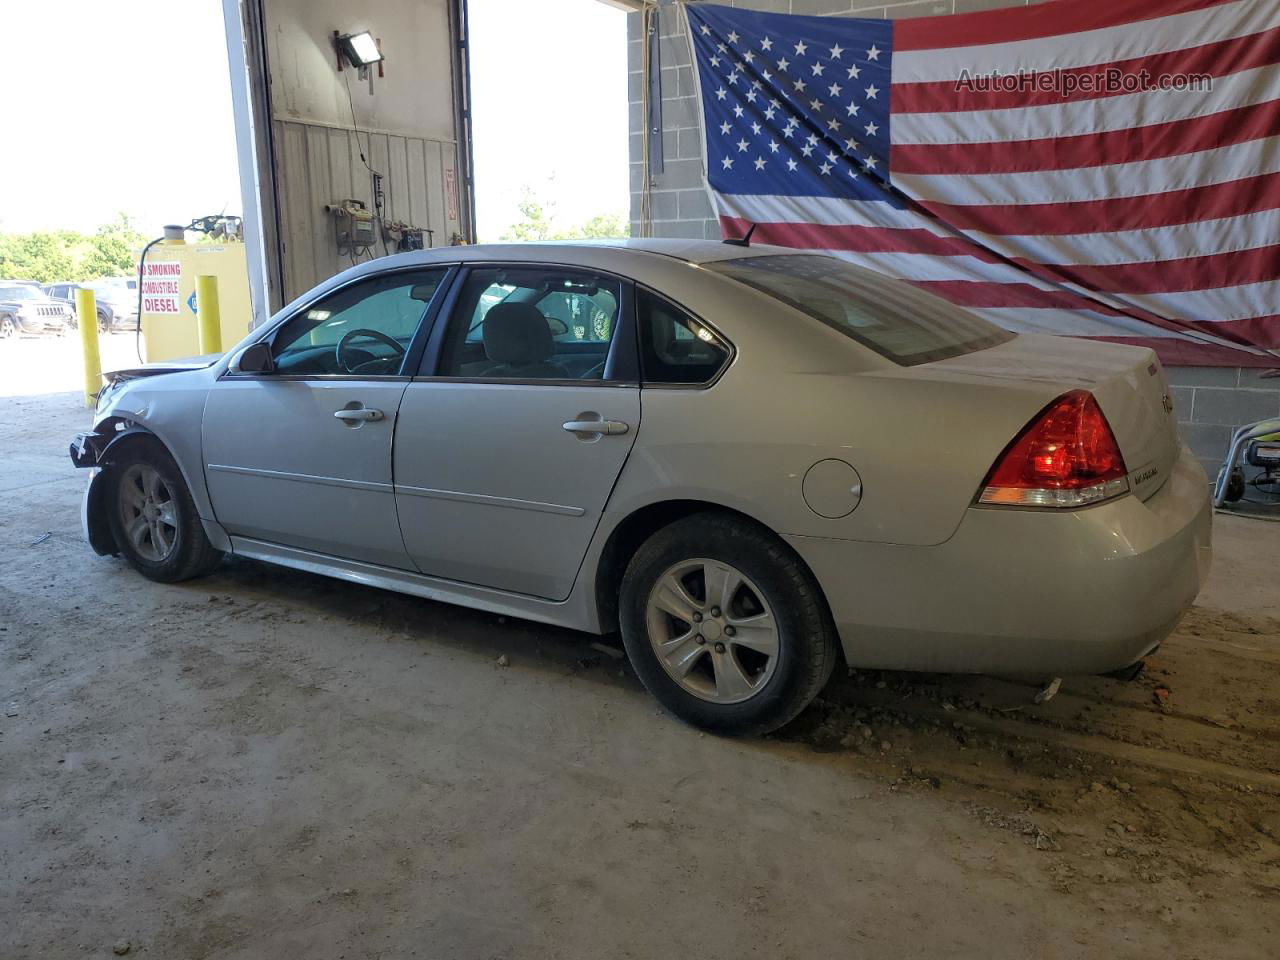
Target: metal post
point(207, 314)
point(87, 319)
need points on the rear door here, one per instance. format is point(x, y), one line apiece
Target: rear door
point(507, 449)
point(301, 457)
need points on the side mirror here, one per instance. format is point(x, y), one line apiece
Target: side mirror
point(255, 358)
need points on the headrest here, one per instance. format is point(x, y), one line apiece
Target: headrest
point(516, 333)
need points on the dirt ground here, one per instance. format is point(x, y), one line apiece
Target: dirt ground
point(270, 764)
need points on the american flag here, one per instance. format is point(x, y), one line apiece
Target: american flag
point(1107, 170)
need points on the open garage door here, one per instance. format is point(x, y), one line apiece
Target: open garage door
point(340, 162)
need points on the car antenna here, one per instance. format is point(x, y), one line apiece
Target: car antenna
point(743, 241)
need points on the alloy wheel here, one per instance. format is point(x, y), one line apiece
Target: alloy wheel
point(7, 328)
point(148, 512)
point(712, 630)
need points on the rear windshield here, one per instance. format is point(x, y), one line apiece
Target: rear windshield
point(893, 318)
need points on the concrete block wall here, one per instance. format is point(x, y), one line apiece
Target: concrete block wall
point(1210, 401)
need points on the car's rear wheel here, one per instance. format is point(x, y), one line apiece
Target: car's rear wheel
point(153, 518)
point(725, 626)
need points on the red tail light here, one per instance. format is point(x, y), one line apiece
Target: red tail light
point(1065, 457)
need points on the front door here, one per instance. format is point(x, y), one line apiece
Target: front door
point(505, 455)
point(301, 457)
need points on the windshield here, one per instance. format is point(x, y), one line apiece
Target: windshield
point(20, 293)
point(117, 283)
point(891, 317)
point(109, 291)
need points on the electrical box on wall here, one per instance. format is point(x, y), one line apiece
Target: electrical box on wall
point(353, 226)
point(403, 236)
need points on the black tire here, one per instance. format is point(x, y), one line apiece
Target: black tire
point(8, 328)
point(805, 633)
point(190, 553)
point(104, 322)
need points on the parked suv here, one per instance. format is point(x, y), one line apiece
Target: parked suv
point(25, 308)
point(117, 305)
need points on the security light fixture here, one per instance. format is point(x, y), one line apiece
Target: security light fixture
point(360, 49)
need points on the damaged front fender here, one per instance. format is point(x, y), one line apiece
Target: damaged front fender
point(93, 449)
point(87, 448)
point(93, 452)
point(93, 515)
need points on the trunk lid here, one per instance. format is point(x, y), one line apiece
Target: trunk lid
point(1128, 382)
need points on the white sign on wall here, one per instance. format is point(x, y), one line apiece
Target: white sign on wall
point(161, 282)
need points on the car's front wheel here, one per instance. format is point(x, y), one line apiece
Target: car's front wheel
point(725, 626)
point(153, 518)
point(8, 328)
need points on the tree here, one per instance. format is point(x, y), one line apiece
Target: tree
point(606, 225)
point(48, 256)
point(113, 250)
point(538, 223)
point(44, 256)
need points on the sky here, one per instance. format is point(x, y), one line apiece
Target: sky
point(129, 109)
point(115, 106)
point(549, 93)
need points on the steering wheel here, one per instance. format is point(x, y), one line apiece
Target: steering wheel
point(340, 352)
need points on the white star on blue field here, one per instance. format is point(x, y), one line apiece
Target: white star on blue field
point(794, 106)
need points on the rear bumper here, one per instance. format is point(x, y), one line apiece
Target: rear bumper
point(1017, 591)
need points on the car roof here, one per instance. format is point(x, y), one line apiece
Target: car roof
point(691, 251)
point(644, 254)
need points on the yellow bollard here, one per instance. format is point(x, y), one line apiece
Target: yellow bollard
point(207, 314)
point(87, 319)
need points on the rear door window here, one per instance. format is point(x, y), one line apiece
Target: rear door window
point(898, 321)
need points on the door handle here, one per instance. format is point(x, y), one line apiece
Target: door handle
point(609, 427)
point(360, 413)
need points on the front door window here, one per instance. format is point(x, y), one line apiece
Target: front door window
point(360, 330)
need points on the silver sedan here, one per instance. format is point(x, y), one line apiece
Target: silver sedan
point(750, 461)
